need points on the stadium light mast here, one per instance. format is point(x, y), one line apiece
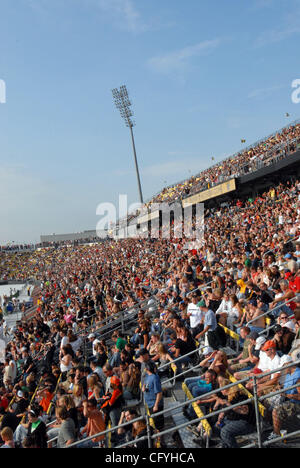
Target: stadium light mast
point(123, 103)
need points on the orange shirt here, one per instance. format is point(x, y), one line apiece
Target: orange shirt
point(95, 424)
point(46, 400)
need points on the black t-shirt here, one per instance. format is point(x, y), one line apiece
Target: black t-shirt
point(10, 420)
point(73, 414)
point(21, 406)
point(235, 416)
point(39, 434)
point(27, 362)
point(265, 297)
point(214, 304)
point(185, 347)
point(142, 443)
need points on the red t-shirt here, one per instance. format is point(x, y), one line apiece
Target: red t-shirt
point(294, 285)
point(4, 403)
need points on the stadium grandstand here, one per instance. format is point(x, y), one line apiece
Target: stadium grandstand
point(138, 341)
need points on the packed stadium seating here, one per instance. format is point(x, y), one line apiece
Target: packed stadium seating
point(119, 328)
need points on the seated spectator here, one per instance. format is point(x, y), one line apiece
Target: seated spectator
point(283, 338)
point(96, 369)
point(130, 378)
point(115, 359)
point(268, 383)
point(163, 357)
point(37, 428)
point(100, 355)
point(243, 361)
point(113, 401)
point(239, 420)
point(255, 318)
point(284, 302)
point(181, 347)
point(75, 341)
point(224, 310)
point(7, 437)
point(290, 407)
point(95, 388)
point(284, 320)
point(216, 361)
point(21, 406)
point(45, 396)
point(4, 402)
point(68, 384)
point(119, 340)
point(139, 430)
point(95, 424)
point(67, 430)
point(153, 345)
point(201, 385)
point(124, 434)
point(257, 357)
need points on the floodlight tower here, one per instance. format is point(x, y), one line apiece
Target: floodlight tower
point(123, 103)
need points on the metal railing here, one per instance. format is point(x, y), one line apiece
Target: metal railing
point(270, 311)
point(294, 239)
point(255, 399)
point(252, 398)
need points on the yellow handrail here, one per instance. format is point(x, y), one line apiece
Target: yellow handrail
point(55, 391)
point(232, 379)
point(231, 333)
point(152, 424)
point(9, 405)
point(205, 424)
point(32, 398)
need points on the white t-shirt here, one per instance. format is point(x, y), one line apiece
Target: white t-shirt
point(290, 324)
point(273, 364)
point(76, 344)
point(225, 307)
point(196, 314)
point(263, 361)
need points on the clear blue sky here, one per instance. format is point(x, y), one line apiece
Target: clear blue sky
point(201, 75)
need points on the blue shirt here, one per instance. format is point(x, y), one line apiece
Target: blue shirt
point(153, 387)
point(210, 320)
point(290, 380)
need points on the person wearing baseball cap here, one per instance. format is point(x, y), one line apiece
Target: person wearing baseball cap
point(243, 362)
point(256, 342)
point(268, 383)
point(153, 393)
point(112, 402)
point(22, 404)
point(93, 340)
point(259, 342)
point(270, 344)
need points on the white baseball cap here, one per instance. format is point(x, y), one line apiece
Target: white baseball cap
point(259, 342)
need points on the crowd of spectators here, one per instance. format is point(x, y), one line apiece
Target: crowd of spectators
point(264, 153)
point(247, 267)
